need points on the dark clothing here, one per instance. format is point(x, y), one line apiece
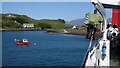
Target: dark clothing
point(92, 21)
point(118, 43)
point(91, 30)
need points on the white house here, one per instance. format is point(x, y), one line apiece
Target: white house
point(28, 25)
point(74, 27)
point(9, 15)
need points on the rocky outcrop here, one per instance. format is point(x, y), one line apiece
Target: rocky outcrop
point(72, 31)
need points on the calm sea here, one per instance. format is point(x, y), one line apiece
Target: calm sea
point(51, 49)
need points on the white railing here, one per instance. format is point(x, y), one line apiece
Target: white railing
point(94, 56)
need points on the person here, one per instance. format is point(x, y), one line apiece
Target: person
point(114, 34)
point(91, 20)
point(108, 25)
point(118, 44)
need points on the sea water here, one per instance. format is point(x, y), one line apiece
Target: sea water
point(45, 49)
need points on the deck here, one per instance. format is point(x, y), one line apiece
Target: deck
point(114, 58)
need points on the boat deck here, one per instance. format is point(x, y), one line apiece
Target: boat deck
point(114, 58)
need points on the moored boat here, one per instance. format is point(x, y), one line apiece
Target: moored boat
point(22, 42)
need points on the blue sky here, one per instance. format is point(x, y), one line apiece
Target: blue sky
point(50, 10)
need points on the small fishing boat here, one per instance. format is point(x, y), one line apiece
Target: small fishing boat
point(22, 42)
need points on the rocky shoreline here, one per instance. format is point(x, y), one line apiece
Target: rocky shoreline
point(19, 30)
point(62, 31)
point(67, 31)
point(72, 31)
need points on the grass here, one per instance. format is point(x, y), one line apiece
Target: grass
point(55, 24)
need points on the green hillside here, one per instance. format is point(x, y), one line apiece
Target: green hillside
point(16, 21)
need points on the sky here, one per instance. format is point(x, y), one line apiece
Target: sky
point(50, 10)
point(46, 0)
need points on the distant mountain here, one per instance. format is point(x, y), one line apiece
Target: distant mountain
point(79, 22)
point(76, 22)
point(109, 20)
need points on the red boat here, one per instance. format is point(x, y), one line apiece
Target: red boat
point(23, 42)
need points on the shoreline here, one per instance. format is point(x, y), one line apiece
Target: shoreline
point(72, 32)
point(5, 30)
point(61, 31)
point(67, 31)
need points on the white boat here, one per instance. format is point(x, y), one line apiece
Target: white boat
point(98, 55)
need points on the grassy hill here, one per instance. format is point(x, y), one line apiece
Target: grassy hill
point(16, 21)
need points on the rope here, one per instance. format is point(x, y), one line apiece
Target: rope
point(91, 39)
point(92, 51)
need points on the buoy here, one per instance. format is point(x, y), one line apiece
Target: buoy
point(15, 40)
point(34, 43)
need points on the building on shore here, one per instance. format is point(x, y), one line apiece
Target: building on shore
point(28, 25)
point(74, 27)
point(9, 15)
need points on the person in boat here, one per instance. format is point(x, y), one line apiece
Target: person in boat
point(113, 32)
point(108, 25)
point(91, 20)
point(118, 44)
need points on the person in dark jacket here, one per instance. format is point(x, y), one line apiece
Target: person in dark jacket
point(91, 20)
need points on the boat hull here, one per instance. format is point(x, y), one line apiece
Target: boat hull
point(22, 43)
